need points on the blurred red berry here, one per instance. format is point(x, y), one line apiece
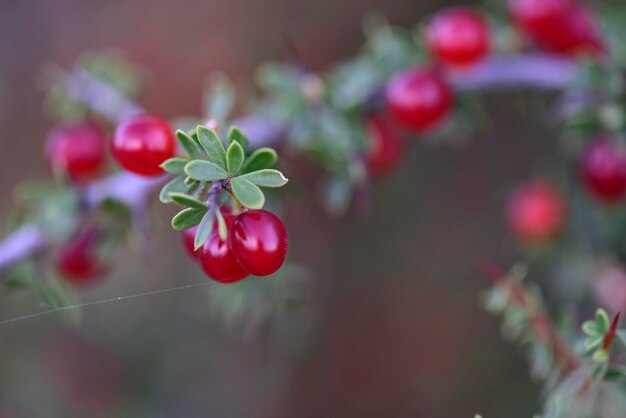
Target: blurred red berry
point(217, 259)
point(259, 241)
point(558, 26)
point(576, 33)
point(77, 260)
point(603, 169)
point(77, 149)
point(386, 150)
point(536, 212)
point(419, 98)
point(458, 37)
point(188, 237)
point(538, 17)
point(142, 143)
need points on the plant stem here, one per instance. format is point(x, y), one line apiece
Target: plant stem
point(539, 71)
point(540, 323)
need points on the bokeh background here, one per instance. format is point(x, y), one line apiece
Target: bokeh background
point(392, 327)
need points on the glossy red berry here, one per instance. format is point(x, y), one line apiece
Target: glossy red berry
point(259, 241)
point(536, 212)
point(77, 260)
point(217, 258)
point(386, 148)
point(458, 37)
point(419, 98)
point(603, 169)
point(77, 149)
point(140, 144)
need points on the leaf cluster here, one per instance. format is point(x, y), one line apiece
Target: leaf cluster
point(211, 167)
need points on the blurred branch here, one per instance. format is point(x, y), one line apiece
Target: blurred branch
point(541, 325)
point(538, 71)
point(523, 71)
point(133, 191)
point(99, 96)
point(25, 241)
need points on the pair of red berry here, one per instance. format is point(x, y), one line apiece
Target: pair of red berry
point(256, 244)
point(140, 144)
point(536, 211)
point(559, 26)
point(420, 98)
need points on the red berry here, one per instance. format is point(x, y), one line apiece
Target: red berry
point(217, 259)
point(78, 149)
point(558, 26)
point(536, 212)
point(603, 169)
point(142, 143)
point(419, 98)
point(259, 240)
point(575, 33)
point(386, 149)
point(77, 260)
point(538, 17)
point(188, 237)
point(458, 37)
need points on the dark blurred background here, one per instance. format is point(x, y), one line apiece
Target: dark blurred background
point(392, 327)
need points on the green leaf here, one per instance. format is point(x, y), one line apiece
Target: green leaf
point(221, 225)
point(185, 199)
point(266, 178)
point(600, 356)
point(591, 328)
point(189, 144)
point(593, 342)
point(621, 335)
point(187, 218)
point(236, 134)
point(53, 293)
point(59, 215)
point(338, 195)
point(212, 144)
point(58, 296)
point(205, 171)
point(260, 159)
point(204, 230)
point(177, 185)
point(248, 194)
point(354, 82)
point(614, 373)
point(279, 79)
point(175, 166)
point(234, 157)
point(603, 321)
point(219, 98)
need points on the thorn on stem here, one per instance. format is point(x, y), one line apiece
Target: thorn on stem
point(610, 335)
